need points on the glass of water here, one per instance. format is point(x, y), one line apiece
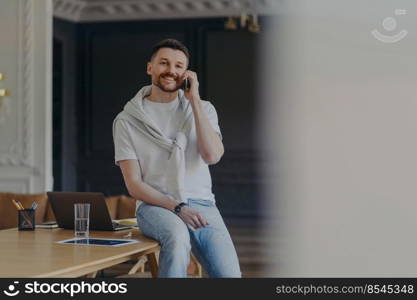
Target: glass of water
point(81, 219)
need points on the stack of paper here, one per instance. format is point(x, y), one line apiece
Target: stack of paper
point(130, 221)
point(51, 224)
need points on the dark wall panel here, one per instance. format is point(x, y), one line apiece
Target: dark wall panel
point(66, 70)
point(230, 75)
point(230, 67)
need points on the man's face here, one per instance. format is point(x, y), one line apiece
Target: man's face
point(166, 69)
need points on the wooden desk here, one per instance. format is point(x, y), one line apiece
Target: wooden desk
point(35, 253)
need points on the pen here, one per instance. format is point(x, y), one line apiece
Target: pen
point(20, 204)
point(16, 204)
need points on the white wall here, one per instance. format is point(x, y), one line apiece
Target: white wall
point(25, 116)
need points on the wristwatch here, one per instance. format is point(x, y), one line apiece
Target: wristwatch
point(177, 209)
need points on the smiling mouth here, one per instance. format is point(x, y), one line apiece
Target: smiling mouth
point(168, 79)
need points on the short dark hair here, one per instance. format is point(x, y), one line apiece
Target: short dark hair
point(170, 43)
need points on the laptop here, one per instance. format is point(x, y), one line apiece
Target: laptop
point(62, 204)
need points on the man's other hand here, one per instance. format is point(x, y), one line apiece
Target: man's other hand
point(192, 218)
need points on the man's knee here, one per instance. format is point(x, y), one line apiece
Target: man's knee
point(176, 237)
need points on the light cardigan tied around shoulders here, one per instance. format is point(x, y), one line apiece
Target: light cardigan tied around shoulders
point(134, 113)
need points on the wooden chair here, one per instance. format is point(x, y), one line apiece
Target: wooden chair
point(139, 269)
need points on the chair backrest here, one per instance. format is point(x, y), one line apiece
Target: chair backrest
point(126, 207)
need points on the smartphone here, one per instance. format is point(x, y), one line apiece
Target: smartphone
point(186, 84)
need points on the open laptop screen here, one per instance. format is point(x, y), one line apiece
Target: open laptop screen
point(62, 204)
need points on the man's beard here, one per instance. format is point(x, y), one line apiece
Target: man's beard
point(159, 84)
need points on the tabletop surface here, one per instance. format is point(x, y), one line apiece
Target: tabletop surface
point(36, 253)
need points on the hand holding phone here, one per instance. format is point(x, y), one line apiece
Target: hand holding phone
point(190, 85)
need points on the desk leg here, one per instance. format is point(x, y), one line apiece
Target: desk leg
point(153, 264)
point(91, 275)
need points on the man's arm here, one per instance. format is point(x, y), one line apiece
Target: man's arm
point(144, 192)
point(209, 143)
point(141, 190)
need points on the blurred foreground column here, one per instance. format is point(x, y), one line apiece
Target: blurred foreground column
point(339, 125)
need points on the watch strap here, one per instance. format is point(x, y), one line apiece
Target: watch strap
point(177, 208)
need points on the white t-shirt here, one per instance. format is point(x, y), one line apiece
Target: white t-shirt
point(166, 116)
point(132, 144)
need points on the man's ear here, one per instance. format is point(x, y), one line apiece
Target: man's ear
point(149, 68)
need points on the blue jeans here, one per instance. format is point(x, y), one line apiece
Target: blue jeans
point(211, 245)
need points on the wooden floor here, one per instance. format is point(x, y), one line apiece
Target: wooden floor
point(250, 244)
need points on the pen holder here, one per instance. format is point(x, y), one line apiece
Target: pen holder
point(26, 219)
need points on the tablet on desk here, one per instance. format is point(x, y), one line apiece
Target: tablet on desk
point(98, 242)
